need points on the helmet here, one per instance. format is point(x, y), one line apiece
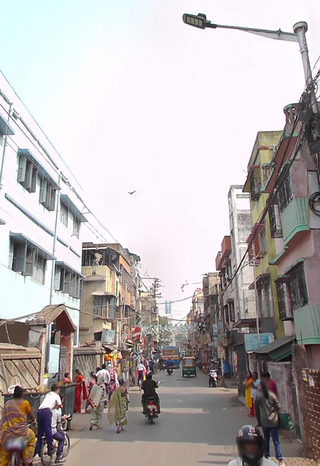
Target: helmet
point(250, 444)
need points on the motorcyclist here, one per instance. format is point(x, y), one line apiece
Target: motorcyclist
point(149, 388)
point(250, 448)
point(170, 363)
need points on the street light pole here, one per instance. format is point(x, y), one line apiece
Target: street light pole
point(299, 35)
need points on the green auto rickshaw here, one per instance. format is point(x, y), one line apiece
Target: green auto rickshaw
point(189, 366)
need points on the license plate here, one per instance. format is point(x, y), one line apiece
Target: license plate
point(151, 406)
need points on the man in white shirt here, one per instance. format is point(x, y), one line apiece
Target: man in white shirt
point(105, 374)
point(58, 434)
point(250, 448)
point(44, 418)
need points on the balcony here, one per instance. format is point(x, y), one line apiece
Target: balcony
point(219, 261)
point(295, 218)
point(307, 322)
point(226, 247)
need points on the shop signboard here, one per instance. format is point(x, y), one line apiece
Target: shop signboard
point(251, 341)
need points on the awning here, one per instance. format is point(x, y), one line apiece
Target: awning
point(259, 280)
point(277, 350)
point(5, 128)
point(41, 171)
point(66, 266)
point(103, 293)
point(22, 239)
point(65, 199)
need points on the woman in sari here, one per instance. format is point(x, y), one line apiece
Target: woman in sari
point(248, 384)
point(14, 424)
point(118, 407)
point(81, 391)
point(97, 399)
point(93, 381)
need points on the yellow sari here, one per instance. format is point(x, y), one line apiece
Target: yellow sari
point(14, 424)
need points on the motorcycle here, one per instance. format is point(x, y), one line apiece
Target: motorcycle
point(213, 378)
point(163, 366)
point(151, 409)
point(170, 370)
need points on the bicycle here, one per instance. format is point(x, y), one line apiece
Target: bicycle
point(16, 447)
point(46, 459)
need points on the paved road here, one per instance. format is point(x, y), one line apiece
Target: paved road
point(197, 426)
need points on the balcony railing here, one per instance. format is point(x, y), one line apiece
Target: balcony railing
point(295, 218)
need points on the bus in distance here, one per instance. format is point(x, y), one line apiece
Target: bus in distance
point(173, 353)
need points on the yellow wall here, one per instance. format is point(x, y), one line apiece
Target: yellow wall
point(264, 156)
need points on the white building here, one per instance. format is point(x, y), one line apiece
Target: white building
point(40, 218)
point(240, 228)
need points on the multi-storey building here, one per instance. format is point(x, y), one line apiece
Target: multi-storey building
point(40, 221)
point(262, 239)
point(237, 307)
point(211, 290)
point(196, 324)
point(110, 287)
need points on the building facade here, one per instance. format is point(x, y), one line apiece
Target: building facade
point(262, 240)
point(40, 221)
point(110, 292)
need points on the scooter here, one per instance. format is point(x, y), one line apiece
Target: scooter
point(170, 370)
point(151, 409)
point(213, 378)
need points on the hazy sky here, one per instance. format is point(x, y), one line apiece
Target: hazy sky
point(133, 99)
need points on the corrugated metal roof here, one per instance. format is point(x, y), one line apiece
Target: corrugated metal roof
point(50, 313)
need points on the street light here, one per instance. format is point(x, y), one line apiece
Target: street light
point(299, 35)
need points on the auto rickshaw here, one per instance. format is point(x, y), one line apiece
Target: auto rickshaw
point(189, 366)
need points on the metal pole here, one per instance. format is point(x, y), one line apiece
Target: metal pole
point(4, 147)
point(53, 266)
point(255, 292)
point(300, 30)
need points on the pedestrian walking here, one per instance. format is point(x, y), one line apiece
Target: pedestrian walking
point(248, 385)
point(81, 391)
point(126, 378)
point(118, 407)
point(254, 390)
point(267, 412)
point(92, 382)
point(272, 386)
point(97, 398)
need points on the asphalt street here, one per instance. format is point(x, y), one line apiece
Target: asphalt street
point(197, 426)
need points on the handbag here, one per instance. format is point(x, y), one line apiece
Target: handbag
point(286, 421)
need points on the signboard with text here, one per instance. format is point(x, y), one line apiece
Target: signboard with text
point(251, 341)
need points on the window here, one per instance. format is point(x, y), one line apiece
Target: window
point(39, 269)
point(64, 214)
point(298, 287)
point(285, 195)
point(285, 305)
point(27, 173)
point(275, 221)
point(263, 243)
point(67, 281)
point(76, 227)
point(98, 305)
point(47, 195)
point(255, 183)
point(29, 262)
